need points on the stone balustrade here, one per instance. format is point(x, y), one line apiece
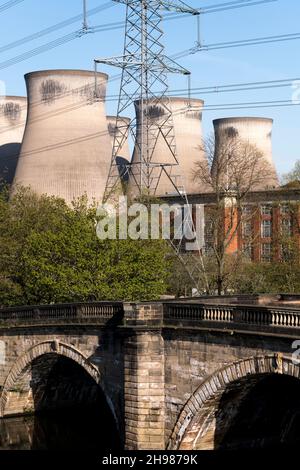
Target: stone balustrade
point(257, 316)
point(157, 314)
point(63, 313)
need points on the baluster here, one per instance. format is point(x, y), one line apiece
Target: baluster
point(209, 313)
point(281, 319)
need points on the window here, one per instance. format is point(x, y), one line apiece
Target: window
point(286, 253)
point(266, 252)
point(266, 228)
point(286, 227)
point(266, 209)
point(247, 250)
point(285, 209)
point(209, 235)
point(246, 229)
point(247, 210)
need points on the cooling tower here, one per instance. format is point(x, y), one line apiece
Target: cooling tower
point(117, 129)
point(187, 117)
point(13, 111)
point(66, 149)
point(255, 131)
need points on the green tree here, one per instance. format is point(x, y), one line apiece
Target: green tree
point(50, 253)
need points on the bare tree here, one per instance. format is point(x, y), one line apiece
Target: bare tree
point(293, 176)
point(235, 168)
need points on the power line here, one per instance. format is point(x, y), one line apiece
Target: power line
point(79, 33)
point(217, 89)
point(62, 144)
point(248, 86)
point(108, 27)
point(239, 43)
point(223, 7)
point(86, 137)
point(74, 19)
point(251, 105)
point(54, 27)
point(211, 89)
point(7, 5)
point(44, 48)
point(208, 107)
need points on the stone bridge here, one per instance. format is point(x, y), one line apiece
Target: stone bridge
point(169, 375)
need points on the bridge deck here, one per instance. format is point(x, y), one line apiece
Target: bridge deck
point(262, 319)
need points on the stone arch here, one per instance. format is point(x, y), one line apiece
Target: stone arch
point(196, 415)
point(24, 362)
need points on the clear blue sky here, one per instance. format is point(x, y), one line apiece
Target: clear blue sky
point(220, 67)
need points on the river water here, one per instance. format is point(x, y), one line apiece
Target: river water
point(76, 429)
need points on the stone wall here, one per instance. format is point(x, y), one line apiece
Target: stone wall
point(149, 366)
point(97, 349)
point(193, 356)
point(144, 378)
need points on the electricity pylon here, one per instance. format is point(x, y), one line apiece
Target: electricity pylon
point(145, 69)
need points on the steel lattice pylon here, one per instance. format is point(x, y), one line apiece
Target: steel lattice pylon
point(144, 77)
point(145, 68)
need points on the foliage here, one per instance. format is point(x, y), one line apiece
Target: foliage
point(50, 253)
point(293, 177)
point(180, 283)
point(273, 278)
point(241, 276)
point(235, 168)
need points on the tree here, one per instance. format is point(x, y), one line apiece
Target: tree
point(50, 253)
point(180, 283)
point(282, 275)
point(293, 177)
point(235, 168)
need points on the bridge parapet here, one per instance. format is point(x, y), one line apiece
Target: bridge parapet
point(143, 314)
point(87, 312)
point(151, 359)
point(236, 317)
point(258, 318)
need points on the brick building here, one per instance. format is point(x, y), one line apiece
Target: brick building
point(265, 228)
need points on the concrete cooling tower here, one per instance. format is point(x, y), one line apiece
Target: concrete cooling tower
point(255, 131)
point(66, 149)
point(13, 112)
point(117, 129)
point(187, 117)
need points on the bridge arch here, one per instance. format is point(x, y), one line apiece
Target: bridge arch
point(196, 425)
point(46, 349)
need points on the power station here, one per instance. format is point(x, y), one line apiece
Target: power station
point(13, 112)
point(116, 128)
point(256, 132)
point(66, 148)
point(71, 147)
point(187, 125)
point(211, 363)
